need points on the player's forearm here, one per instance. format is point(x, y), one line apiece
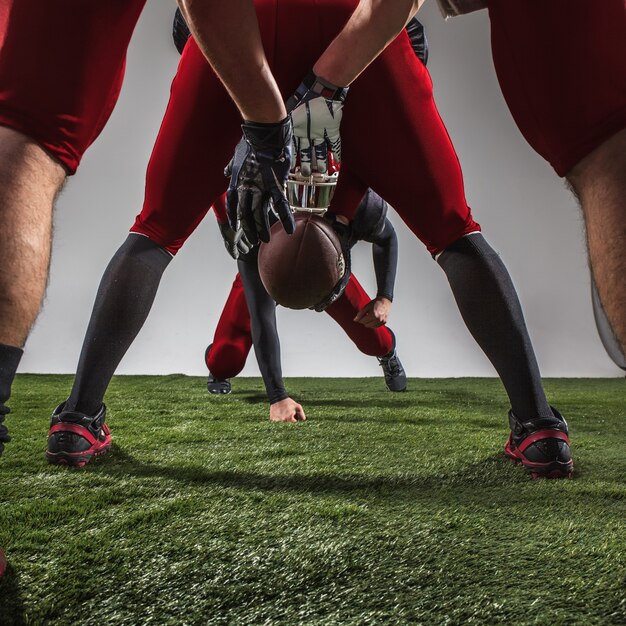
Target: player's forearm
point(372, 26)
point(264, 332)
point(228, 35)
point(271, 372)
point(385, 253)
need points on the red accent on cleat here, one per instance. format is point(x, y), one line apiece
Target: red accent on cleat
point(554, 469)
point(99, 446)
point(73, 428)
point(542, 434)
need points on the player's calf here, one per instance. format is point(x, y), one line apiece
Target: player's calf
point(599, 181)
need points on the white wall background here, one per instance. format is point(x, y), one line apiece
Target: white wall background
point(525, 211)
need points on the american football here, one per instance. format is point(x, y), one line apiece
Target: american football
point(300, 270)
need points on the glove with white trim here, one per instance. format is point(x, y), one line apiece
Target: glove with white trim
point(316, 109)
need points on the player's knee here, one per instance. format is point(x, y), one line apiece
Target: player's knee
point(157, 234)
point(153, 255)
point(13, 141)
point(472, 245)
point(455, 226)
point(20, 155)
point(607, 162)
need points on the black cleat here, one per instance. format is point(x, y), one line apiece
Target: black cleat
point(395, 376)
point(541, 446)
point(218, 386)
point(75, 438)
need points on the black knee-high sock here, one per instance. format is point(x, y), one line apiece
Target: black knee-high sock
point(491, 310)
point(9, 360)
point(124, 299)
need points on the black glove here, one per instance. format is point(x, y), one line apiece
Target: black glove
point(344, 232)
point(259, 171)
point(236, 242)
point(4, 431)
point(316, 108)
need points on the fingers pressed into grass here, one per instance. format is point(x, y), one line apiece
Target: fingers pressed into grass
point(287, 410)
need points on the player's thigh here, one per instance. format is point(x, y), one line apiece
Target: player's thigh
point(61, 68)
point(28, 174)
point(195, 142)
point(394, 140)
point(562, 69)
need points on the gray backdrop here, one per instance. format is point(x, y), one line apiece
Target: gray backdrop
point(525, 211)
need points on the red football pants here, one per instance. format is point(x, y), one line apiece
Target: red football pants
point(562, 69)
point(61, 69)
point(393, 138)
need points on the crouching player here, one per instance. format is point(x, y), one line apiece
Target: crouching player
point(249, 316)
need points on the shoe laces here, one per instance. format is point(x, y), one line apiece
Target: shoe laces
point(390, 364)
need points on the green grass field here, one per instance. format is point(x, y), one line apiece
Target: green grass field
point(381, 509)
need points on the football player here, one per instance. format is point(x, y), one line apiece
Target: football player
point(53, 105)
point(567, 95)
point(249, 317)
point(405, 156)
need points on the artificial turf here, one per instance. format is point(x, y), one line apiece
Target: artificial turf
point(381, 509)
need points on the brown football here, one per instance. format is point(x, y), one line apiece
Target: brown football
point(300, 270)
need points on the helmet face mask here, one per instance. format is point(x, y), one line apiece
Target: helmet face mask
point(313, 193)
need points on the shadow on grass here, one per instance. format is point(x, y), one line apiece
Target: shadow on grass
point(252, 398)
point(383, 403)
point(11, 603)
point(408, 398)
point(498, 422)
point(484, 475)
